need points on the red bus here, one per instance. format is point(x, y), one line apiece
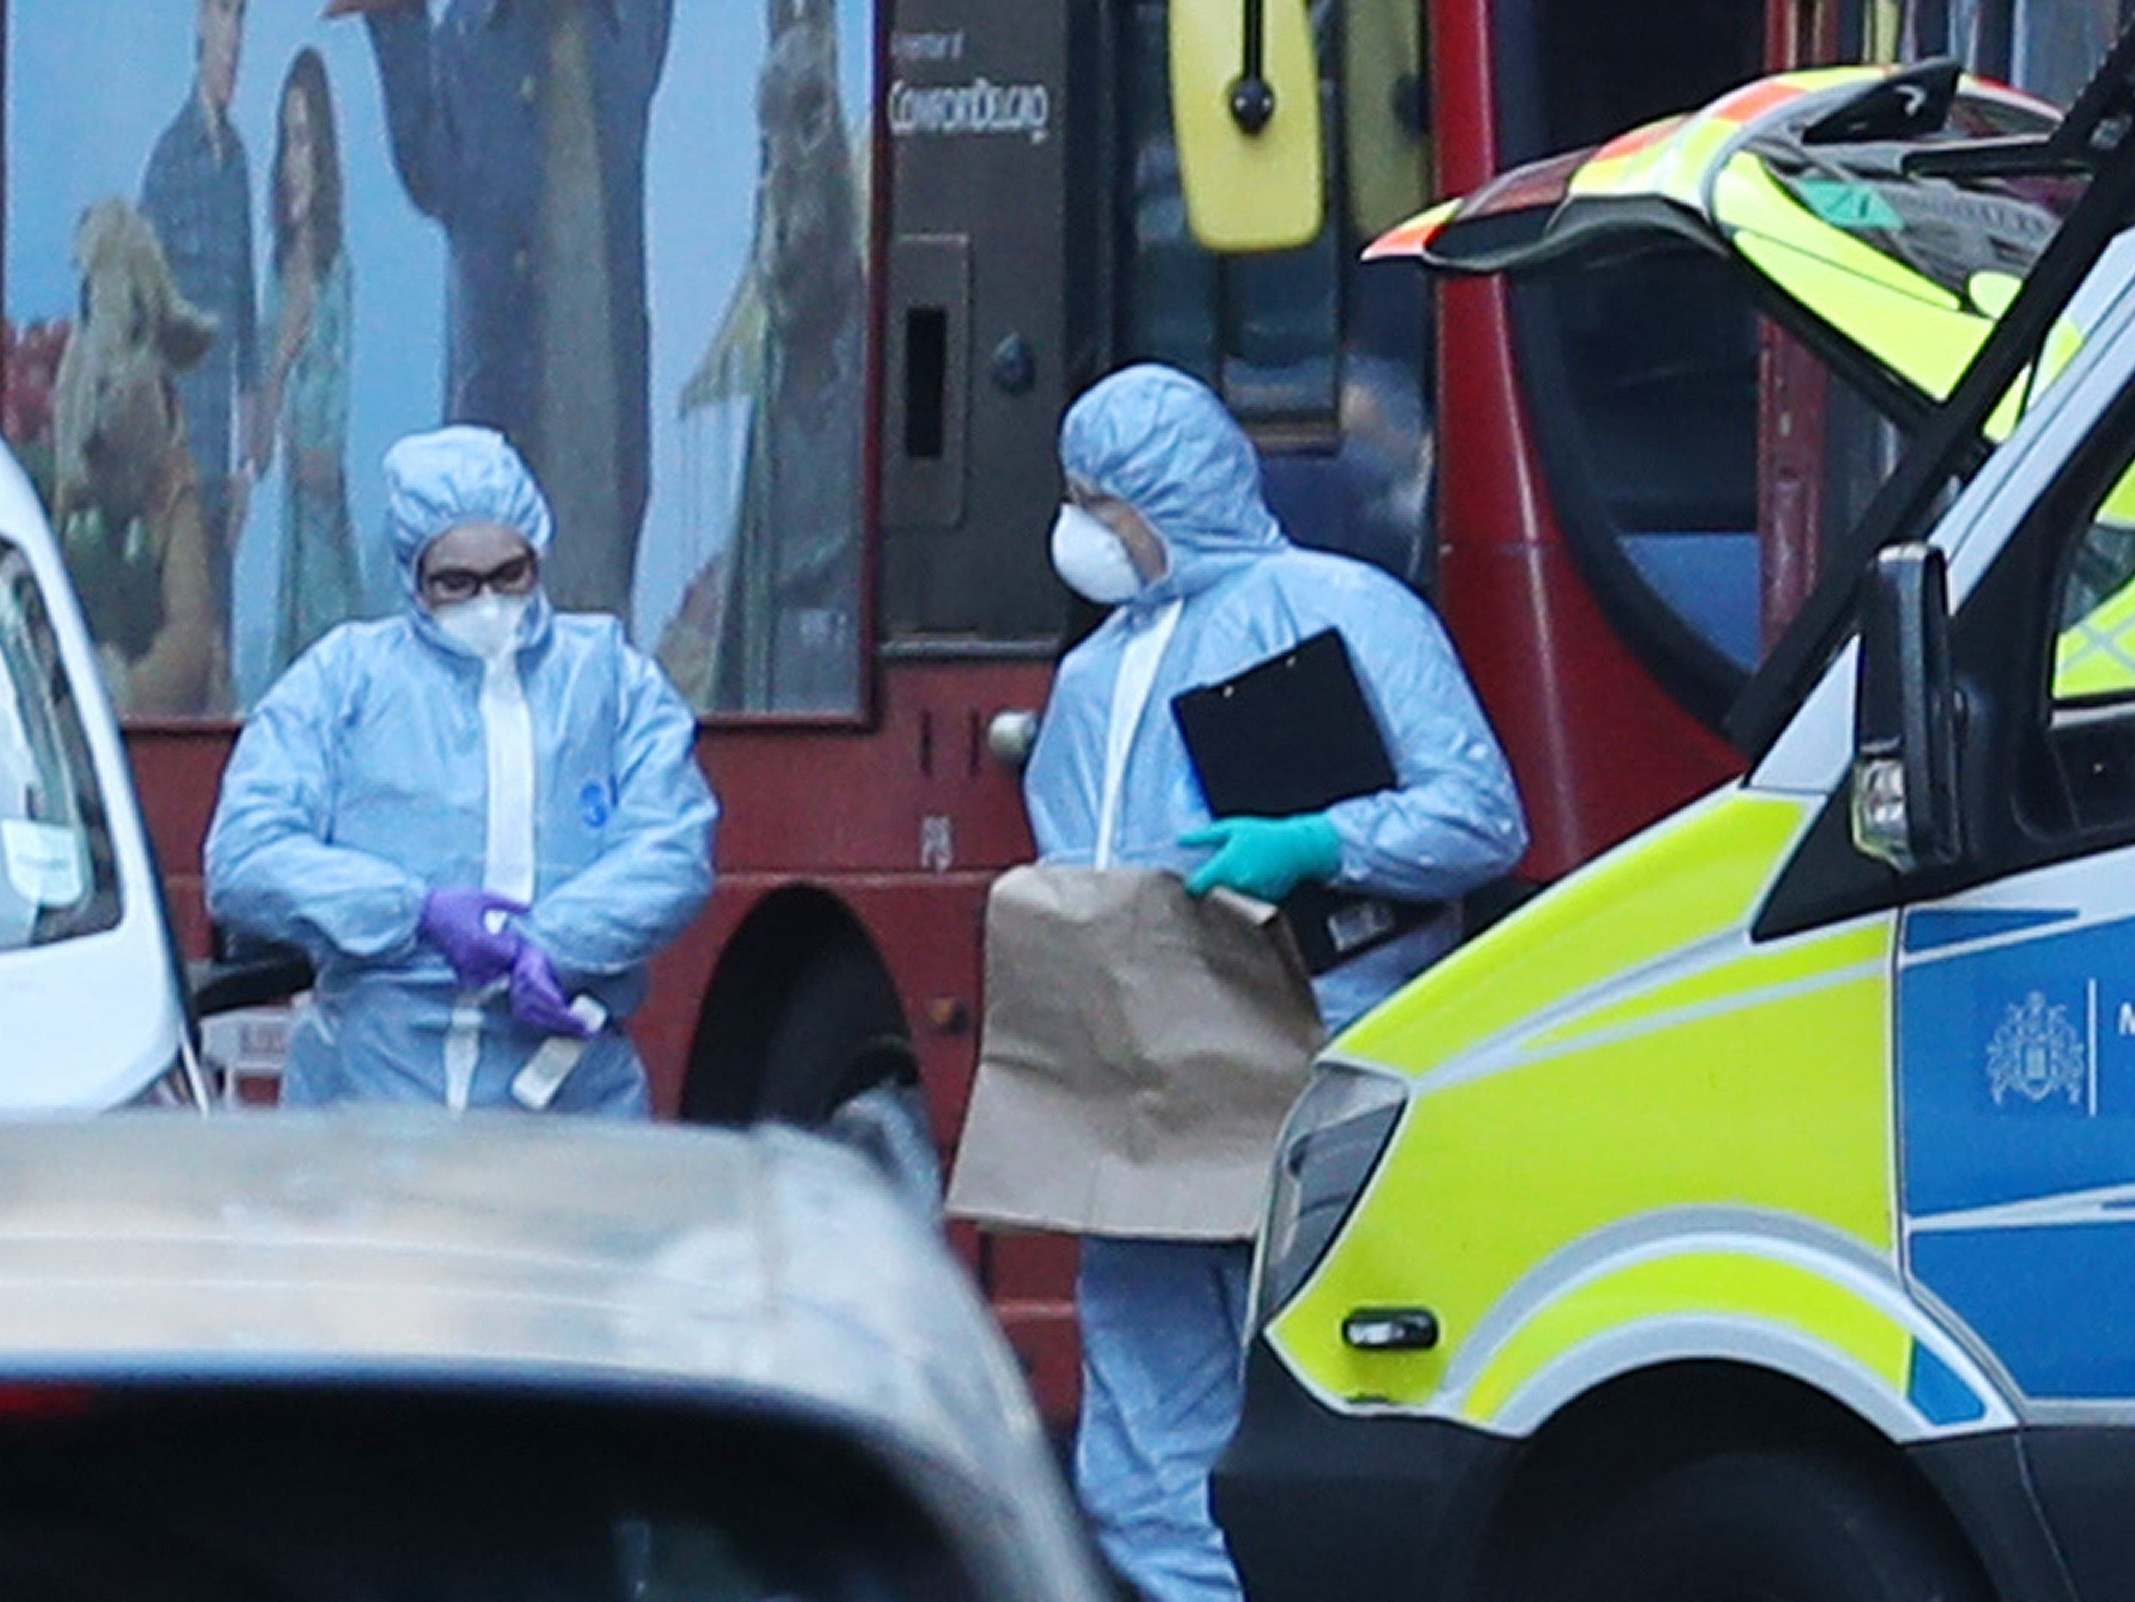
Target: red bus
point(1614, 511)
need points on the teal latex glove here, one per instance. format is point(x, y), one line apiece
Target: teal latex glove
point(1265, 858)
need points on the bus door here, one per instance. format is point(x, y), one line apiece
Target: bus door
point(1041, 238)
point(994, 314)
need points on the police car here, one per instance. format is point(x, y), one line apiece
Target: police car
point(1753, 1214)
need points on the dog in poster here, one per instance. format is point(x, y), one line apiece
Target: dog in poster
point(127, 497)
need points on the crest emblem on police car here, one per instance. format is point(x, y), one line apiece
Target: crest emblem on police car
point(2036, 1054)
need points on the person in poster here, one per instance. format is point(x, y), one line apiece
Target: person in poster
point(197, 196)
point(772, 622)
point(512, 123)
point(306, 402)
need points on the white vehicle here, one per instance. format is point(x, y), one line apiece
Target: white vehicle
point(99, 1009)
point(375, 1357)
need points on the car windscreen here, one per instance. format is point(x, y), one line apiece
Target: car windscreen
point(296, 1496)
point(60, 880)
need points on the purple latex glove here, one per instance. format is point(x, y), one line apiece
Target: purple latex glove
point(538, 1000)
point(457, 921)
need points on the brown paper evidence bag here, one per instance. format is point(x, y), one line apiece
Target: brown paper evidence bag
point(1141, 1050)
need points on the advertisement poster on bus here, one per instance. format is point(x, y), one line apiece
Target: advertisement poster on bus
point(2049, 47)
point(250, 243)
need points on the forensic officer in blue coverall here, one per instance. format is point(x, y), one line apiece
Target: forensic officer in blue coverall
point(481, 817)
point(1167, 524)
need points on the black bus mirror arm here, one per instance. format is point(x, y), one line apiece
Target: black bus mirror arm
point(1252, 96)
point(256, 976)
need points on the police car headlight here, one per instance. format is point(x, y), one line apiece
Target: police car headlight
point(1330, 1146)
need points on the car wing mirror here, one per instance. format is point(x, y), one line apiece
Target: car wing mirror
point(1905, 805)
point(1245, 110)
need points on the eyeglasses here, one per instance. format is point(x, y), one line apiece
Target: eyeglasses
point(515, 577)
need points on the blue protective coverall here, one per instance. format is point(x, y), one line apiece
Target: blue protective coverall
point(390, 761)
point(1163, 1321)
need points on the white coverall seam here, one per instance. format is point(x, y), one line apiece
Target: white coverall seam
point(507, 847)
point(1138, 665)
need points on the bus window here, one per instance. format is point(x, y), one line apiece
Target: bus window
point(1324, 363)
point(2057, 44)
point(1974, 31)
point(2049, 47)
point(1643, 389)
point(1639, 374)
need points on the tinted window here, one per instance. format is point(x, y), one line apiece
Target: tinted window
point(2089, 606)
point(2094, 611)
point(255, 1496)
point(55, 841)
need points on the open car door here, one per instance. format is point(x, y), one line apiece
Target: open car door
point(1894, 276)
point(1823, 191)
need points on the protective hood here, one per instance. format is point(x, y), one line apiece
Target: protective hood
point(438, 481)
point(1163, 443)
point(435, 482)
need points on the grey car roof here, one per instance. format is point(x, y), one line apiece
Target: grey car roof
point(762, 1267)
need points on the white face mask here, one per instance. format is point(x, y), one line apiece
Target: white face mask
point(1092, 560)
point(489, 625)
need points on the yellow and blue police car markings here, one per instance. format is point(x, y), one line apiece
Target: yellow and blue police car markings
point(2016, 1040)
point(1937, 1394)
point(1844, 1307)
point(1938, 928)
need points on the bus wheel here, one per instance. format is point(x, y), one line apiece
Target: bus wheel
point(1762, 1526)
point(837, 1059)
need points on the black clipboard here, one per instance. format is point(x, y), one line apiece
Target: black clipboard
point(1295, 734)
